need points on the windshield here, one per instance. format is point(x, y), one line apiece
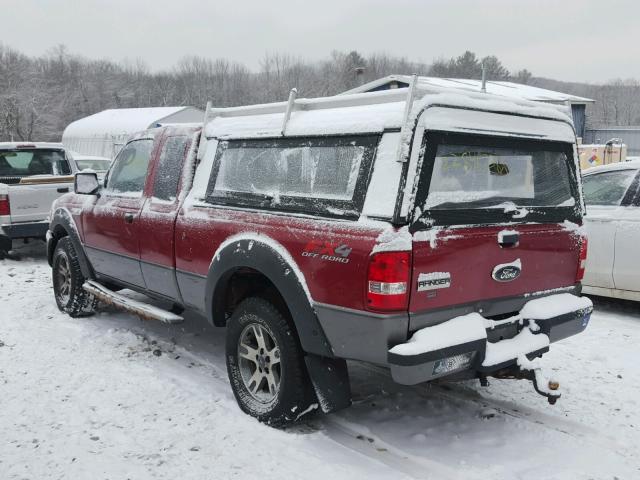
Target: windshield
point(24, 162)
point(471, 176)
point(97, 165)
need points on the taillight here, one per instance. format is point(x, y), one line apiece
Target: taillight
point(388, 281)
point(5, 206)
point(582, 259)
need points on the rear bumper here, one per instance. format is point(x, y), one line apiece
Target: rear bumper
point(9, 232)
point(490, 354)
point(24, 230)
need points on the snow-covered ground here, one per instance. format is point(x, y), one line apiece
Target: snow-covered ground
point(113, 397)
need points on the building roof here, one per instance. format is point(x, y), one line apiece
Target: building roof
point(506, 89)
point(120, 121)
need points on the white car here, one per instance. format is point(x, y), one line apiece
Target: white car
point(612, 196)
point(32, 176)
point(98, 164)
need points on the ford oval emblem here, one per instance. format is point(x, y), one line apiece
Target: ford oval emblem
point(506, 273)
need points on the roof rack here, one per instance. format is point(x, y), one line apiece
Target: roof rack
point(411, 94)
point(416, 89)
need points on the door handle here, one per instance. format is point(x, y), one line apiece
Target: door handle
point(509, 240)
point(128, 217)
point(63, 189)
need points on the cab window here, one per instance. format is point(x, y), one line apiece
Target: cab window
point(172, 155)
point(129, 171)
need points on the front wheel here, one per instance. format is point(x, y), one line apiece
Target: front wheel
point(266, 365)
point(68, 280)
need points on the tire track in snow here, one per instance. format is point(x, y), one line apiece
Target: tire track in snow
point(457, 393)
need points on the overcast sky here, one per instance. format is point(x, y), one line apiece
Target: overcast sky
point(563, 39)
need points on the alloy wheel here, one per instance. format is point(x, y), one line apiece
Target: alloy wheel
point(259, 362)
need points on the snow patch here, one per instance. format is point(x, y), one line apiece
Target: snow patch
point(393, 240)
point(504, 350)
point(458, 330)
point(553, 306)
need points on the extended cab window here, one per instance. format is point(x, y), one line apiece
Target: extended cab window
point(317, 175)
point(607, 188)
point(480, 179)
point(24, 163)
point(165, 186)
point(129, 171)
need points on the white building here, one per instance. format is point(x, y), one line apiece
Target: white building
point(104, 133)
point(507, 89)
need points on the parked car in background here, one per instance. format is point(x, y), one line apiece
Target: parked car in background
point(612, 195)
point(100, 165)
point(32, 176)
point(92, 162)
point(437, 239)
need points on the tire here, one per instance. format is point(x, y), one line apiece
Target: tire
point(67, 279)
point(282, 362)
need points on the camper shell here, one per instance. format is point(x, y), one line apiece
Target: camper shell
point(430, 231)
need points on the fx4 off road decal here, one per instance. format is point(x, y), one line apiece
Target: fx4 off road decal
point(329, 251)
point(433, 281)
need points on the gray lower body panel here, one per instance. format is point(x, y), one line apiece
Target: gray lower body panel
point(114, 265)
point(357, 335)
point(160, 279)
point(192, 289)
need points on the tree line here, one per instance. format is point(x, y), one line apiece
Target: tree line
point(40, 96)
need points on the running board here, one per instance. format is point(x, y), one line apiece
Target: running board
point(141, 309)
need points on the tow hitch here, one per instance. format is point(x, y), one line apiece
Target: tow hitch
point(528, 370)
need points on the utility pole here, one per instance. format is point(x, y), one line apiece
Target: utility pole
point(483, 88)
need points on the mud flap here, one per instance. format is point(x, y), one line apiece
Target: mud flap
point(330, 379)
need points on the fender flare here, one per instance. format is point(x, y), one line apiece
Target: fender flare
point(268, 257)
point(62, 219)
point(329, 375)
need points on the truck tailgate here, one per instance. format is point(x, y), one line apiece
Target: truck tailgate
point(464, 265)
point(32, 198)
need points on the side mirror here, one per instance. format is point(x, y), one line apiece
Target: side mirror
point(86, 183)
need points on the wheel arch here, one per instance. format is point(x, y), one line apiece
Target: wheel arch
point(254, 254)
point(264, 259)
point(63, 225)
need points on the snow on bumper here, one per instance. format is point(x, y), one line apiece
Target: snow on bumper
point(464, 343)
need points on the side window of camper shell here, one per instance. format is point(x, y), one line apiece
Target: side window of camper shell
point(317, 175)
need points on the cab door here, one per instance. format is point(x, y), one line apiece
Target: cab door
point(607, 195)
point(626, 267)
point(110, 225)
point(158, 218)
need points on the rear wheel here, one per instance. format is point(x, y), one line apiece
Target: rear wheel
point(266, 365)
point(68, 280)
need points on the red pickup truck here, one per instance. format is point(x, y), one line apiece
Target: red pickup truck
point(433, 233)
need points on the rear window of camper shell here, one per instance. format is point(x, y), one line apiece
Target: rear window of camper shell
point(480, 179)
